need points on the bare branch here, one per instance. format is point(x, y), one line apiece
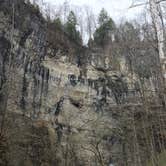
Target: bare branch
point(137, 5)
point(161, 1)
point(142, 4)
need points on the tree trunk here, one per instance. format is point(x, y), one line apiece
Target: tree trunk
point(159, 29)
point(157, 21)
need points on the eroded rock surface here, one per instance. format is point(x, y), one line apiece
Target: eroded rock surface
point(63, 107)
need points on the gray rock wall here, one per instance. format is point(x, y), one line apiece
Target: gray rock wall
point(69, 103)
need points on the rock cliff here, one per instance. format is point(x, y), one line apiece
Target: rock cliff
point(66, 104)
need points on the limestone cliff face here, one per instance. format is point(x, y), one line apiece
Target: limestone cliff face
point(63, 97)
point(41, 63)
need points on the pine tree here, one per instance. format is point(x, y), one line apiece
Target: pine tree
point(58, 23)
point(70, 27)
point(106, 26)
point(103, 17)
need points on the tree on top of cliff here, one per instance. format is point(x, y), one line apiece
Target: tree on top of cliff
point(72, 19)
point(103, 17)
point(58, 23)
point(70, 28)
point(106, 26)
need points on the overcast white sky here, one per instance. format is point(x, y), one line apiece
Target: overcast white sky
point(117, 8)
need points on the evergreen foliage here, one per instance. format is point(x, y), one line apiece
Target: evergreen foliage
point(58, 23)
point(106, 26)
point(70, 28)
point(103, 17)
